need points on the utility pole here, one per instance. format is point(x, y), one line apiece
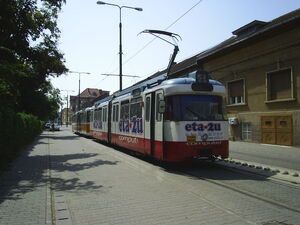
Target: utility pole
point(79, 73)
point(120, 32)
point(67, 105)
point(78, 106)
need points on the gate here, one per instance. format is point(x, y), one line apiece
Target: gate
point(277, 130)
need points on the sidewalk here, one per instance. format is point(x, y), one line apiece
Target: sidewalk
point(25, 188)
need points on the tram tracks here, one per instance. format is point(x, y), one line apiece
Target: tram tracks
point(233, 180)
point(196, 171)
point(229, 190)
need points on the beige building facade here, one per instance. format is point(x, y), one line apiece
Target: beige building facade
point(260, 67)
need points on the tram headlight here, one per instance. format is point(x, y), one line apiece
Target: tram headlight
point(202, 76)
point(202, 82)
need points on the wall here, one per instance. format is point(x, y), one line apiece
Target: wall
point(251, 61)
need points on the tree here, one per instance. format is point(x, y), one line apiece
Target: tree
point(29, 55)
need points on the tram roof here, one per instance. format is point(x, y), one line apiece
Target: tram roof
point(156, 81)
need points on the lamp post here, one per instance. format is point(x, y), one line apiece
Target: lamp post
point(120, 27)
point(79, 73)
point(67, 122)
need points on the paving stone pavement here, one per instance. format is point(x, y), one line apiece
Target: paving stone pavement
point(25, 187)
point(93, 184)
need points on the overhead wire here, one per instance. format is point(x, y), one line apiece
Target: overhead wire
point(148, 43)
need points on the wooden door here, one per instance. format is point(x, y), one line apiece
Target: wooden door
point(284, 131)
point(268, 129)
point(277, 130)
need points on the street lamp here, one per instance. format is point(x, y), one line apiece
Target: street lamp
point(79, 73)
point(67, 122)
point(120, 27)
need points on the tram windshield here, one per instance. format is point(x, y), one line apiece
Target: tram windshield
point(194, 108)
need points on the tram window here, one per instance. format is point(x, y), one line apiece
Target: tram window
point(104, 114)
point(117, 113)
point(194, 108)
point(96, 114)
point(88, 116)
point(100, 114)
point(81, 117)
point(114, 113)
point(124, 110)
point(148, 108)
point(159, 97)
point(136, 108)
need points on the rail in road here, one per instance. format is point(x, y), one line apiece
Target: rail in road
point(96, 184)
point(68, 179)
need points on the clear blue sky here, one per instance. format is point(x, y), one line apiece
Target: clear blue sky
point(90, 35)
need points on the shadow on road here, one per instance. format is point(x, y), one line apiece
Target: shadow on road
point(206, 170)
point(31, 171)
point(52, 135)
point(195, 168)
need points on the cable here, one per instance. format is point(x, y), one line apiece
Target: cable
point(146, 45)
point(183, 14)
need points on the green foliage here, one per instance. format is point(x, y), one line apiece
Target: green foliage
point(28, 56)
point(18, 129)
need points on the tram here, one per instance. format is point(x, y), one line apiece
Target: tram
point(168, 119)
point(81, 122)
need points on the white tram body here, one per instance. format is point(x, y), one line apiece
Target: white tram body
point(170, 120)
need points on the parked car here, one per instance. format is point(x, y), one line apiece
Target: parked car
point(47, 125)
point(55, 127)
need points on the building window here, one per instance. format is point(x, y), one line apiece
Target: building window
point(279, 84)
point(246, 131)
point(236, 92)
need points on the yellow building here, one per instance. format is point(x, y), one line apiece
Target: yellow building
point(260, 66)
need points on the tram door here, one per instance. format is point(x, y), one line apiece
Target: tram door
point(153, 125)
point(114, 123)
point(109, 122)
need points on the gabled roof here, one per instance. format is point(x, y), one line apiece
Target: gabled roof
point(91, 93)
point(262, 29)
point(249, 28)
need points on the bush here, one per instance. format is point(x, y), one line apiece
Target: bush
point(16, 130)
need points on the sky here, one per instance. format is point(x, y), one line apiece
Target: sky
point(90, 35)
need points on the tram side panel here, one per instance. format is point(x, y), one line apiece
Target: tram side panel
point(195, 139)
point(99, 124)
point(127, 125)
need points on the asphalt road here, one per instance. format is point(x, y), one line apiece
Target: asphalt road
point(273, 155)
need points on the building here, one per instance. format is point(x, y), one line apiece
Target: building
point(260, 66)
point(87, 98)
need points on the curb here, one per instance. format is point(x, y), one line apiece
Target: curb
point(292, 176)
